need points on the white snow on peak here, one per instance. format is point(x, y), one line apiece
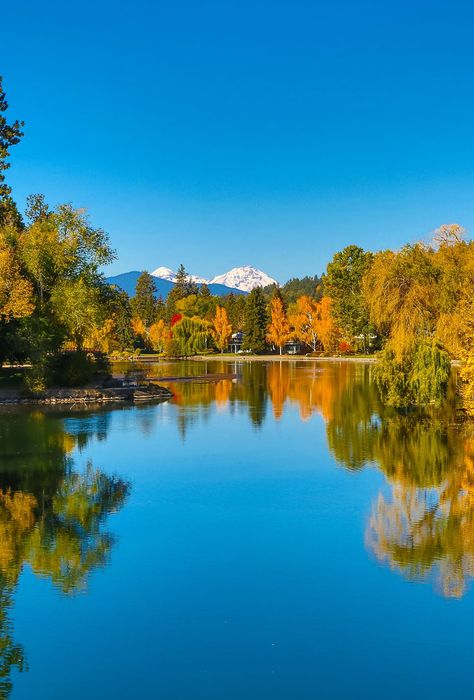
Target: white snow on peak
point(245, 278)
point(164, 273)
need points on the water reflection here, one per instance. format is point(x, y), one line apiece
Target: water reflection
point(52, 517)
point(425, 528)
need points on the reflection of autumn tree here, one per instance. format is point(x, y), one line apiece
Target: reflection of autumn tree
point(278, 383)
point(51, 517)
point(429, 527)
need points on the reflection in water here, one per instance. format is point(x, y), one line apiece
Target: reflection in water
point(51, 517)
point(426, 528)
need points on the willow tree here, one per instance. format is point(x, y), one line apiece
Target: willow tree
point(400, 291)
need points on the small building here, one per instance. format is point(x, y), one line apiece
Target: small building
point(293, 347)
point(235, 344)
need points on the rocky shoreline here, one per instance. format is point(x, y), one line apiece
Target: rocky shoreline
point(90, 395)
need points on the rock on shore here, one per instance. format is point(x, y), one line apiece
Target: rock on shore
point(148, 392)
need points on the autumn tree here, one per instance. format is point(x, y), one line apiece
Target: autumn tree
point(279, 330)
point(304, 319)
point(158, 335)
point(325, 325)
point(16, 291)
point(221, 328)
point(400, 292)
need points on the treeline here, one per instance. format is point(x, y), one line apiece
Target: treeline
point(415, 304)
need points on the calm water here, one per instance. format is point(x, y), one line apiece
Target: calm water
point(274, 534)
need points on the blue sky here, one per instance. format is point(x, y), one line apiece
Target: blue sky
point(267, 132)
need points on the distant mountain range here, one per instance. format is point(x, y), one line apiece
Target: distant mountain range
point(239, 280)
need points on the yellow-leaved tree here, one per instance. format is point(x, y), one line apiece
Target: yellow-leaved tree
point(325, 325)
point(304, 320)
point(16, 291)
point(158, 335)
point(221, 328)
point(279, 329)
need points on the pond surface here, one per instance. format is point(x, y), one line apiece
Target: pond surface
point(274, 533)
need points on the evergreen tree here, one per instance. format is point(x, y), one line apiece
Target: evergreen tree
point(143, 303)
point(255, 322)
point(10, 135)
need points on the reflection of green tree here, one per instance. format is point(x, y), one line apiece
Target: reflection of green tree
point(50, 516)
point(67, 542)
point(353, 427)
point(255, 391)
point(11, 654)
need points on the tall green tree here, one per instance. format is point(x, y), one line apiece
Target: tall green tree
point(143, 303)
point(255, 322)
point(343, 284)
point(10, 135)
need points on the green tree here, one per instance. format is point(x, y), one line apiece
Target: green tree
point(255, 322)
point(343, 284)
point(143, 303)
point(10, 135)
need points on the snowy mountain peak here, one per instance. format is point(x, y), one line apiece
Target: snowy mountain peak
point(245, 278)
point(164, 273)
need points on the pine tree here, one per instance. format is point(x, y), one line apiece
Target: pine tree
point(255, 322)
point(143, 303)
point(10, 135)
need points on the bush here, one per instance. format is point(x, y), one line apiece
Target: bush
point(66, 369)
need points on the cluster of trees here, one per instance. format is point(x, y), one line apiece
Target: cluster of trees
point(413, 304)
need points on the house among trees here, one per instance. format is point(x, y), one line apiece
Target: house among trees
point(236, 340)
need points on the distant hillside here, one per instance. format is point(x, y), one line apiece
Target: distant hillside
point(128, 281)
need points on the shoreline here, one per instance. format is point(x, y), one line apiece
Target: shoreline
point(88, 395)
point(273, 358)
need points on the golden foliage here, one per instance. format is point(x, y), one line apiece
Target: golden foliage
point(158, 335)
point(16, 292)
point(304, 321)
point(221, 329)
point(279, 330)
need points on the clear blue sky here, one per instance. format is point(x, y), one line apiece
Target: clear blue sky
point(271, 132)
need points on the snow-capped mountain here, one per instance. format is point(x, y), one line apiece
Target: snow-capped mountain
point(245, 278)
point(166, 273)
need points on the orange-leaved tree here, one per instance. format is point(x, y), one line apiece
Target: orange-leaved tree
point(326, 328)
point(279, 329)
point(221, 328)
point(304, 320)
